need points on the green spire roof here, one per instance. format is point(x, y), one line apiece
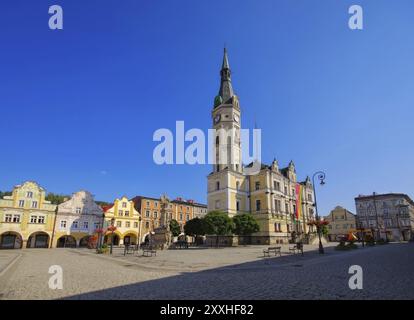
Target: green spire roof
point(226, 89)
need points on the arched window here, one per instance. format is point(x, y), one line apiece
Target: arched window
point(218, 185)
point(217, 154)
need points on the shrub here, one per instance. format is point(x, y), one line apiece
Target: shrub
point(342, 247)
point(103, 249)
point(352, 245)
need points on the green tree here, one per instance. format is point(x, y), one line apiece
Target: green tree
point(5, 193)
point(218, 223)
point(175, 228)
point(56, 198)
point(102, 203)
point(245, 224)
point(195, 227)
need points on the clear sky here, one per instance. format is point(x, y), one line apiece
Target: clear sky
point(79, 106)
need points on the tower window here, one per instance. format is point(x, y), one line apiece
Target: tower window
point(218, 185)
point(258, 206)
point(237, 185)
point(238, 205)
point(257, 185)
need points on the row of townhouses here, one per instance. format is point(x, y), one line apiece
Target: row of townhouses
point(27, 220)
point(387, 216)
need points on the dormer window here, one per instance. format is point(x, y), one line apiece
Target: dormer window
point(29, 194)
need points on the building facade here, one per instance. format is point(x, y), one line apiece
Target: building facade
point(157, 213)
point(341, 223)
point(389, 216)
point(27, 220)
point(281, 204)
point(78, 218)
point(199, 210)
point(127, 220)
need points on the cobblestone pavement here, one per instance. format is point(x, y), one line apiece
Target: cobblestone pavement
point(388, 274)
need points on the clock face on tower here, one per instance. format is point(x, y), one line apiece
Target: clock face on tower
point(217, 119)
point(236, 118)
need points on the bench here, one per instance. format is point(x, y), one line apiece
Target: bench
point(297, 248)
point(147, 252)
point(276, 250)
point(129, 249)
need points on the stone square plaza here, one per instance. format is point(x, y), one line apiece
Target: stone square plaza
point(241, 273)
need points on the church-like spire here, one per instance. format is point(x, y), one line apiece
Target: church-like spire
point(226, 89)
point(225, 60)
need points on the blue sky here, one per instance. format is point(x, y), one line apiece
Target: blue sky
point(79, 106)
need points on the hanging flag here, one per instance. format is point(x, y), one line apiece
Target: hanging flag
point(298, 212)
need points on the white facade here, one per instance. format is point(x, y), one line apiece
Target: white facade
point(390, 216)
point(80, 215)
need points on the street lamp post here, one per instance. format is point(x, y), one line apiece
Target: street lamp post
point(112, 234)
point(321, 177)
point(139, 233)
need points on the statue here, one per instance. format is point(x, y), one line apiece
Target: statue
point(162, 234)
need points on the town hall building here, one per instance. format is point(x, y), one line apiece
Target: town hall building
point(280, 203)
